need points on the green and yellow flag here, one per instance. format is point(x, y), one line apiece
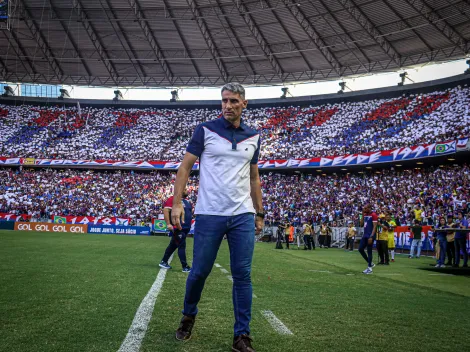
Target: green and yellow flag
point(60, 220)
point(159, 225)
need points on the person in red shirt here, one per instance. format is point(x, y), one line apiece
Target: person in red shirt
point(178, 237)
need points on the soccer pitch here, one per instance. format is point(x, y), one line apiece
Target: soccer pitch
point(62, 292)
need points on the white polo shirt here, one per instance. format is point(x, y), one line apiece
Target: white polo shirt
point(225, 155)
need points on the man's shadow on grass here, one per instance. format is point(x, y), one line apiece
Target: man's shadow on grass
point(448, 271)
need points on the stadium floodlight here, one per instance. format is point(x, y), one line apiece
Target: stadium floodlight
point(174, 96)
point(117, 95)
point(467, 71)
point(285, 91)
point(64, 93)
point(8, 92)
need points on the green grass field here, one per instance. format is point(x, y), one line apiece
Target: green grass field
point(62, 292)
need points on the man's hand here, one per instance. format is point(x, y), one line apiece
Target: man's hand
point(259, 224)
point(370, 241)
point(170, 227)
point(177, 214)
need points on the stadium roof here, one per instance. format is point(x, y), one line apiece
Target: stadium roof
point(208, 42)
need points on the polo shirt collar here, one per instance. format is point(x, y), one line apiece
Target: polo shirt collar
point(228, 124)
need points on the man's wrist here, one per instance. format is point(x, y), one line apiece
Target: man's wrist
point(177, 198)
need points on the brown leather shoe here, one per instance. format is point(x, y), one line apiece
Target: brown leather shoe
point(183, 333)
point(242, 343)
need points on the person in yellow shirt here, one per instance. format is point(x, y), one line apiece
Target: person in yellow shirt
point(391, 224)
point(324, 232)
point(382, 240)
point(285, 227)
point(418, 213)
point(308, 235)
point(351, 236)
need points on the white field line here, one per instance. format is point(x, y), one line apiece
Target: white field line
point(217, 265)
point(277, 325)
point(224, 270)
point(230, 277)
point(142, 317)
point(321, 271)
point(441, 274)
point(255, 296)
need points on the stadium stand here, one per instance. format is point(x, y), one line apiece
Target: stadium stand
point(43, 193)
point(291, 132)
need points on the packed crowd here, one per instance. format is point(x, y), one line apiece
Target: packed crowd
point(45, 193)
point(300, 197)
point(293, 132)
point(340, 198)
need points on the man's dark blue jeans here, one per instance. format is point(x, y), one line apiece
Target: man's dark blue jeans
point(208, 235)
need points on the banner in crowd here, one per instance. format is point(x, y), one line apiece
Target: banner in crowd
point(159, 225)
point(47, 227)
point(29, 161)
point(168, 165)
point(90, 219)
point(404, 237)
point(119, 230)
point(13, 217)
point(384, 156)
point(463, 144)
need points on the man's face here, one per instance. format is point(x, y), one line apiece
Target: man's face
point(232, 105)
point(367, 209)
point(185, 193)
point(460, 216)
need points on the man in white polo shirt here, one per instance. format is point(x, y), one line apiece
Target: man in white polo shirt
point(229, 203)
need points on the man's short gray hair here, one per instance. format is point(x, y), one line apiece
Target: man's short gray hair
point(234, 88)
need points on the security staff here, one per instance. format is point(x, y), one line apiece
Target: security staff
point(308, 236)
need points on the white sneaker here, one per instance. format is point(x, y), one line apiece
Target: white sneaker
point(437, 266)
point(368, 271)
point(373, 265)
